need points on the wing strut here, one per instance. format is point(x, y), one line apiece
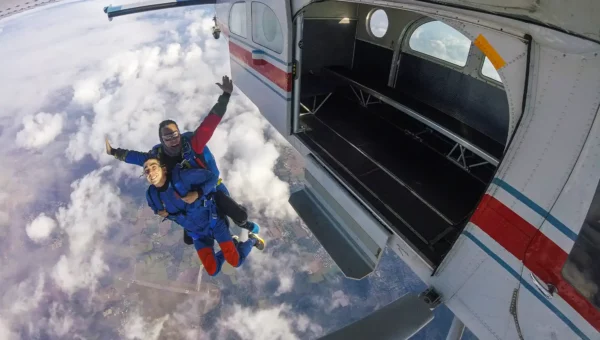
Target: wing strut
point(115, 11)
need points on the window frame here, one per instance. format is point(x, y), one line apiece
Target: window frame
point(368, 23)
point(407, 49)
point(246, 13)
point(278, 22)
point(486, 78)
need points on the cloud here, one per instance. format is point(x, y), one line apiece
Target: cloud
point(31, 80)
point(39, 130)
point(248, 159)
point(277, 323)
point(274, 264)
point(4, 207)
point(40, 228)
point(95, 79)
point(338, 299)
point(172, 55)
point(136, 328)
point(286, 284)
point(5, 331)
point(95, 205)
point(86, 91)
point(25, 296)
point(72, 273)
point(60, 321)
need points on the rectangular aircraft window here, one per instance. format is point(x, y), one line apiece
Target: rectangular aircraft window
point(581, 269)
point(266, 29)
point(237, 19)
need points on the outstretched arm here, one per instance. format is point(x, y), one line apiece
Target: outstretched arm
point(206, 129)
point(127, 156)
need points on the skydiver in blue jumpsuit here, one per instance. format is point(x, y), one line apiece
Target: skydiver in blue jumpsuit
point(198, 215)
point(190, 150)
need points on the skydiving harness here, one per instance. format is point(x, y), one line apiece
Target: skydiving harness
point(207, 200)
point(189, 156)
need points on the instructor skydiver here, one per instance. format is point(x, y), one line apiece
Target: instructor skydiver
point(200, 218)
point(190, 150)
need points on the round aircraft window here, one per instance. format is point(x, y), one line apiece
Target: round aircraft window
point(270, 24)
point(378, 23)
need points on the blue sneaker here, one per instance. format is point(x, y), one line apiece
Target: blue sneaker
point(253, 227)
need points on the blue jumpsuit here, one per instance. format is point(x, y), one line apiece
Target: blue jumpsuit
point(199, 218)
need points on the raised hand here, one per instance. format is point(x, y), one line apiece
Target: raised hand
point(227, 85)
point(108, 147)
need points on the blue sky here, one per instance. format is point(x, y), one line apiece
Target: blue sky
point(69, 78)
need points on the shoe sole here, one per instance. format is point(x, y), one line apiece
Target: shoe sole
point(260, 243)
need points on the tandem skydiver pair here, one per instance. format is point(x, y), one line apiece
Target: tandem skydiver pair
point(185, 188)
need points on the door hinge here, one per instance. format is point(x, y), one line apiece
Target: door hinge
point(294, 69)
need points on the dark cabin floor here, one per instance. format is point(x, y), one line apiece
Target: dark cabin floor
point(410, 184)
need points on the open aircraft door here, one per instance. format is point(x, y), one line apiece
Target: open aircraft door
point(261, 46)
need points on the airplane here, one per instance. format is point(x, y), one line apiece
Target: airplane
point(463, 135)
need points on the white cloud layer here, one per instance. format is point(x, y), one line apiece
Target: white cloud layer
point(34, 79)
point(338, 299)
point(25, 296)
point(121, 85)
point(39, 130)
point(40, 228)
point(5, 332)
point(136, 328)
point(120, 79)
point(60, 321)
point(265, 268)
point(95, 205)
point(275, 323)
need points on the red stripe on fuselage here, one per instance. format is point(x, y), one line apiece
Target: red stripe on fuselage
point(223, 27)
point(540, 255)
point(503, 225)
point(274, 74)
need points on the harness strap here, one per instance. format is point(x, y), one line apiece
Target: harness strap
point(212, 205)
point(155, 197)
point(189, 155)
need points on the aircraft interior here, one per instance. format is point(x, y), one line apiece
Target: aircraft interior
point(415, 129)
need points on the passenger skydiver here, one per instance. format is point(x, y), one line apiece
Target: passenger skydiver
point(191, 151)
point(198, 215)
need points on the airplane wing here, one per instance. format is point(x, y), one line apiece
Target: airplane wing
point(145, 6)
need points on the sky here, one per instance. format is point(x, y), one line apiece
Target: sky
point(69, 79)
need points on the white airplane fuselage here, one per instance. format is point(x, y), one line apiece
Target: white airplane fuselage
point(504, 267)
